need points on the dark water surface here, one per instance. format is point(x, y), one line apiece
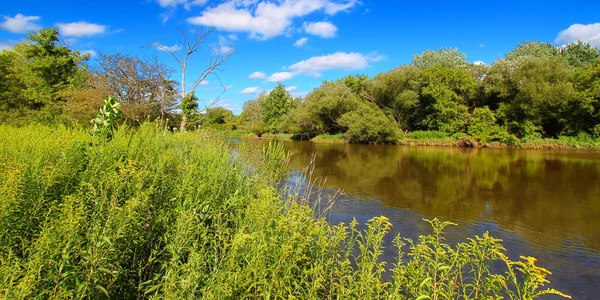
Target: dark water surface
point(541, 203)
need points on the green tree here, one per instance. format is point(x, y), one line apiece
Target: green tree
point(276, 105)
point(321, 109)
point(368, 124)
point(586, 115)
point(531, 49)
point(579, 54)
point(484, 129)
point(189, 108)
point(445, 57)
point(36, 71)
point(220, 117)
point(397, 93)
point(533, 95)
point(444, 93)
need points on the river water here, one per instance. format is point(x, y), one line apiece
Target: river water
point(540, 203)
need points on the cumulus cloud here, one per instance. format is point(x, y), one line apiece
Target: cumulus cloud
point(479, 63)
point(332, 8)
point(291, 88)
point(251, 90)
point(301, 41)
point(187, 4)
point(338, 60)
point(80, 29)
point(225, 46)
point(317, 64)
point(280, 76)
point(322, 29)
point(257, 75)
point(264, 19)
point(20, 23)
point(579, 32)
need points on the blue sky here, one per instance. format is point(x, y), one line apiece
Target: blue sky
point(302, 42)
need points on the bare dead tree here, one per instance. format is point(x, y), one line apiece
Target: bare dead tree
point(191, 44)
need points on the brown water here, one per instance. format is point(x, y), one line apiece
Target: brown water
point(541, 203)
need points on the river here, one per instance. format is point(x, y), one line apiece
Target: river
point(540, 203)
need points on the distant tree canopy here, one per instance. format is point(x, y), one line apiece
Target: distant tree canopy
point(537, 90)
point(45, 81)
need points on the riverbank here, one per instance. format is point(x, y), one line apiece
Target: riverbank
point(425, 138)
point(151, 214)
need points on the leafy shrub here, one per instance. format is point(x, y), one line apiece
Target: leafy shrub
point(369, 125)
point(484, 129)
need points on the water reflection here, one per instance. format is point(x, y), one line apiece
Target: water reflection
point(541, 203)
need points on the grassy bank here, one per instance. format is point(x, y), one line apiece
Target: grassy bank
point(436, 138)
point(154, 214)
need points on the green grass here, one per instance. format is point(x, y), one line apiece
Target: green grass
point(329, 138)
point(154, 214)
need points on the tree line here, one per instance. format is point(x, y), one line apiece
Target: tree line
point(45, 81)
point(537, 90)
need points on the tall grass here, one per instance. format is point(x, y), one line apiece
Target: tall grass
point(152, 214)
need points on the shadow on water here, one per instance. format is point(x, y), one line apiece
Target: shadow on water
point(541, 203)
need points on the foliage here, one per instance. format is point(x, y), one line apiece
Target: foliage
point(276, 105)
point(152, 214)
point(531, 49)
point(189, 106)
point(444, 92)
point(322, 108)
point(105, 122)
point(33, 74)
point(484, 129)
point(220, 118)
point(144, 87)
point(367, 124)
point(445, 57)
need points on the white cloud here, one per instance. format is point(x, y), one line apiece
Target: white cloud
point(338, 60)
point(167, 48)
point(79, 29)
point(332, 8)
point(578, 32)
point(301, 41)
point(20, 23)
point(187, 4)
point(224, 47)
point(291, 88)
point(481, 45)
point(228, 87)
point(251, 90)
point(204, 82)
point(280, 76)
point(225, 50)
point(322, 29)
point(316, 64)
point(257, 75)
point(92, 53)
point(233, 37)
point(479, 63)
point(265, 19)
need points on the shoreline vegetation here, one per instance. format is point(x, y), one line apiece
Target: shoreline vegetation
point(427, 139)
point(144, 213)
